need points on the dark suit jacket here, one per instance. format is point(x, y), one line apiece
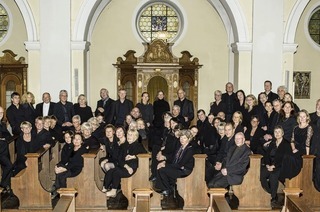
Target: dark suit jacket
point(236, 164)
point(186, 110)
point(59, 113)
point(15, 117)
point(272, 96)
point(39, 109)
point(107, 110)
point(186, 160)
point(128, 105)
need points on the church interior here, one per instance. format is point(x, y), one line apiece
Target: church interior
point(82, 46)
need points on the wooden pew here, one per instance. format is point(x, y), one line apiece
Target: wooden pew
point(53, 160)
point(142, 200)
point(12, 148)
point(27, 185)
point(193, 188)
point(67, 200)
point(218, 202)
point(139, 180)
point(250, 193)
point(88, 183)
point(303, 184)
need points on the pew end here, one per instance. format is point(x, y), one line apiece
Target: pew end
point(66, 202)
point(29, 180)
point(250, 193)
point(142, 200)
point(218, 202)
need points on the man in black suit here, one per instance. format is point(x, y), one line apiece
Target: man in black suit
point(267, 89)
point(234, 166)
point(229, 98)
point(45, 108)
point(121, 108)
point(64, 111)
point(104, 106)
point(15, 113)
point(186, 107)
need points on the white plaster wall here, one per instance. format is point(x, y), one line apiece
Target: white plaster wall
point(307, 59)
point(205, 38)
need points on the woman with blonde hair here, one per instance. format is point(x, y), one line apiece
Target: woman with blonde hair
point(27, 102)
point(82, 109)
point(251, 108)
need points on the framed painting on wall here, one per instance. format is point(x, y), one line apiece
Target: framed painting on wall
point(302, 80)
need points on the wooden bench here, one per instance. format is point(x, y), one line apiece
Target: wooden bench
point(250, 193)
point(53, 160)
point(12, 148)
point(27, 184)
point(88, 183)
point(142, 200)
point(302, 185)
point(66, 202)
point(193, 188)
point(218, 202)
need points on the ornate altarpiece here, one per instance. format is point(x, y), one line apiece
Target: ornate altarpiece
point(158, 69)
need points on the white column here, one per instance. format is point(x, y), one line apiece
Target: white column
point(267, 54)
point(55, 36)
point(242, 66)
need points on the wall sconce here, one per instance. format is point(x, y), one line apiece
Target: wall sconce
point(139, 84)
point(175, 84)
point(196, 83)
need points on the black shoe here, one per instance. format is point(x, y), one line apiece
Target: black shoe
point(275, 204)
point(54, 194)
point(166, 192)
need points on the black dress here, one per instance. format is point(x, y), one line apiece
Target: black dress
point(159, 107)
point(288, 124)
point(85, 113)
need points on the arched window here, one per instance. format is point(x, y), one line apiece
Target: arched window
point(4, 22)
point(159, 20)
point(314, 26)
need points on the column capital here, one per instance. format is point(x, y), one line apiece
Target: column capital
point(32, 45)
point(80, 45)
point(290, 47)
point(241, 47)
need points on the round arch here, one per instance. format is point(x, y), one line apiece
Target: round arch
point(28, 18)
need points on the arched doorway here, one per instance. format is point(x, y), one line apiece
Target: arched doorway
point(156, 84)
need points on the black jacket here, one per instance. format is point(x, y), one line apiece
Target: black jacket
point(107, 110)
point(39, 109)
point(186, 109)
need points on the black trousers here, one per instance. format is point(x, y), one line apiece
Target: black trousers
point(167, 177)
point(6, 167)
point(270, 181)
point(218, 181)
point(154, 161)
point(61, 179)
point(113, 177)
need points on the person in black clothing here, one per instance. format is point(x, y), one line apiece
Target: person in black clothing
point(121, 108)
point(240, 101)
point(202, 123)
point(234, 166)
point(27, 102)
point(176, 113)
point(160, 105)
point(251, 108)
point(237, 120)
point(64, 111)
point(178, 165)
point(195, 141)
point(287, 119)
point(217, 106)
point(267, 89)
point(254, 136)
point(281, 90)
point(71, 168)
point(25, 144)
point(127, 163)
point(315, 116)
point(272, 160)
point(262, 99)
point(67, 148)
point(111, 147)
point(55, 130)
point(6, 165)
point(76, 124)
point(277, 106)
point(268, 117)
point(82, 109)
point(89, 141)
point(104, 106)
point(46, 107)
point(229, 98)
point(288, 98)
point(146, 109)
point(15, 113)
point(42, 137)
point(186, 107)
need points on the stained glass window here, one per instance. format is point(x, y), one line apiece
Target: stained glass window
point(4, 22)
point(158, 21)
point(314, 26)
